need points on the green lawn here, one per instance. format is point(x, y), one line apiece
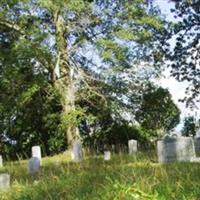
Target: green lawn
point(124, 177)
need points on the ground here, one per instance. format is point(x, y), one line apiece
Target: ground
point(125, 177)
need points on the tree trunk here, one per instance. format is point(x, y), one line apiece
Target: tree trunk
point(65, 83)
point(69, 107)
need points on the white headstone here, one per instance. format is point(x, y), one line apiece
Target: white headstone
point(4, 182)
point(33, 165)
point(132, 146)
point(36, 152)
point(1, 161)
point(77, 153)
point(107, 155)
point(172, 149)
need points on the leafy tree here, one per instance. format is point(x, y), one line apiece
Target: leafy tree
point(185, 56)
point(189, 126)
point(46, 69)
point(158, 111)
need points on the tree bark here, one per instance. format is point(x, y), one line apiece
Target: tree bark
point(66, 84)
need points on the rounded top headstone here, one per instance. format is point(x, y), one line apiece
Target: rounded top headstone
point(36, 152)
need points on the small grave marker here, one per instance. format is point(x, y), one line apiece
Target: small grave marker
point(132, 146)
point(4, 182)
point(77, 153)
point(107, 155)
point(33, 165)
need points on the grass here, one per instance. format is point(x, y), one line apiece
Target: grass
point(123, 178)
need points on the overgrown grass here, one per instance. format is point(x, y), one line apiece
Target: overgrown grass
point(123, 178)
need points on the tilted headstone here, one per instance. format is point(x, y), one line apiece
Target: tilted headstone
point(132, 146)
point(172, 149)
point(197, 144)
point(33, 165)
point(4, 182)
point(77, 153)
point(1, 161)
point(36, 152)
point(107, 155)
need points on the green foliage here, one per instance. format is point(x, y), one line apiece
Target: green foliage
point(158, 111)
point(72, 5)
point(189, 127)
point(184, 56)
point(27, 95)
point(39, 38)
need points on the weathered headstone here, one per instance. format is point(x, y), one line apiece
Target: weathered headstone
point(113, 147)
point(4, 182)
point(107, 155)
point(33, 165)
point(1, 161)
point(77, 153)
point(132, 146)
point(197, 144)
point(172, 149)
point(36, 152)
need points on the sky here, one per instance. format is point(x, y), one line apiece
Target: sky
point(177, 89)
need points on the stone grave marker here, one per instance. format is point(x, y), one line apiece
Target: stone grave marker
point(1, 161)
point(132, 146)
point(172, 149)
point(197, 144)
point(33, 165)
point(113, 147)
point(77, 153)
point(107, 155)
point(4, 181)
point(36, 152)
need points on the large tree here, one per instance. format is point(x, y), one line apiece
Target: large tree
point(158, 112)
point(57, 53)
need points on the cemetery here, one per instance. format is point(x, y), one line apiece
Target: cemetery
point(30, 180)
point(99, 100)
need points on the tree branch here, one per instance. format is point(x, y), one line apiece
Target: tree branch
point(13, 26)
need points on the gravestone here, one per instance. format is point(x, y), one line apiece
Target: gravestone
point(172, 149)
point(132, 146)
point(36, 152)
point(197, 144)
point(113, 147)
point(4, 182)
point(1, 161)
point(77, 153)
point(107, 155)
point(33, 165)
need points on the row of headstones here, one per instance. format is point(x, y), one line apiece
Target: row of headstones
point(36, 160)
point(169, 149)
point(173, 149)
point(77, 154)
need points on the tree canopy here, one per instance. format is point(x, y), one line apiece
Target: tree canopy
point(158, 112)
point(189, 127)
point(61, 60)
point(184, 56)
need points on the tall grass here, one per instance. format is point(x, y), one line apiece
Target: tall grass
point(125, 177)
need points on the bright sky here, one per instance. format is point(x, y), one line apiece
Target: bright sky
point(177, 89)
